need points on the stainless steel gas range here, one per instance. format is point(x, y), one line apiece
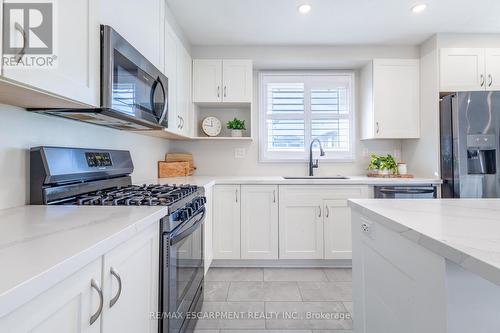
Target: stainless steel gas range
point(77, 176)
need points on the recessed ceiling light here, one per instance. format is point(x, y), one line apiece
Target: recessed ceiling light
point(419, 8)
point(304, 9)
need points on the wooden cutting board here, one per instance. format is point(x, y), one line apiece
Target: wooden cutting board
point(182, 157)
point(173, 169)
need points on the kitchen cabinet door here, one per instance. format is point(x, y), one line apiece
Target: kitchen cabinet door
point(134, 266)
point(259, 222)
point(226, 220)
point(237, 81)
point(208, 230)
point(207, 80)
point(492, 61)
point(171, 45)
point(141, 23)
point(76, 46)
point(300, 223)
point(338, 243)
point(184, 100)
point(396, 98)
point(462, 69)
point(66, 307)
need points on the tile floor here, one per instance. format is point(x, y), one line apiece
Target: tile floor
point(298, 300)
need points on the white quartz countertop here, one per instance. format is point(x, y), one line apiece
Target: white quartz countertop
point(208, 181)
point(42, 245)
point(464, 231)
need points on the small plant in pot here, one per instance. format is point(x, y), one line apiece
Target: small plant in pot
point(374, 165)
point(236, 126)
point(388, 165)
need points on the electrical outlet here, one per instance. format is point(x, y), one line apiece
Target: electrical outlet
point(239, 153)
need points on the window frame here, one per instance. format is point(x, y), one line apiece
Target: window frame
point(290, 157)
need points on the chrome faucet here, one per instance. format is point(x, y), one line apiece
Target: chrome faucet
point(315, 164)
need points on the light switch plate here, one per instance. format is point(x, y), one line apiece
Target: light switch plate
point(239, 153)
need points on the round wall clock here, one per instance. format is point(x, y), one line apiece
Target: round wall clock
point(211, 126)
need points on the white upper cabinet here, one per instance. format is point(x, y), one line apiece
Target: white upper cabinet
point(222, 81)
point(207, 81)
point(469, 69)
point(259, 222)
point(75, 75)
point(390, 100)
point(184, 98)
point(237, 81)
point(492, 64)
point(141, 23)
point(462, 69)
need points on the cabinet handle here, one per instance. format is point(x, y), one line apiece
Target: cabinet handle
point(225, 91)
point(20, 55)
point(236, 195)
point(491, 80)
point(327, 211)
point(218, 91)
point(119, 279)
point(95, 285)
point(178, 122)
point(182, 123)
point(482, 80)
point(319, 208)
point(377, 127)
point(274, 196)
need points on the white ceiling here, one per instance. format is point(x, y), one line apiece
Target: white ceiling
point(332, 22)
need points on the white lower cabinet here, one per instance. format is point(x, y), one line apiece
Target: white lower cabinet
point(66, 307)
point(300, 223)
point(259, 222)
point(130, 280)
point(208, 230)
point(69, 305)
point(226, 220)
point(314, 221)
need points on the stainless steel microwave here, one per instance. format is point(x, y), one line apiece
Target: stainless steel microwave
point(134, 93)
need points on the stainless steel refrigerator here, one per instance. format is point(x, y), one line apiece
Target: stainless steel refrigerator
point(470, 127)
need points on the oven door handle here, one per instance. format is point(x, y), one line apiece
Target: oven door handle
point(183, 234)
point(408, 191)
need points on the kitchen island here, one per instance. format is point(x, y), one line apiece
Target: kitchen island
point(426, 265)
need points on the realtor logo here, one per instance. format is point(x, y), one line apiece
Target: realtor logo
point(28, 34)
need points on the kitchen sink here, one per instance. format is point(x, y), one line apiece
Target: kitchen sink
point(318, 177)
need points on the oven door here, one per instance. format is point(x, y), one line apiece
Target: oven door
point(130, 84)
point(185, 272)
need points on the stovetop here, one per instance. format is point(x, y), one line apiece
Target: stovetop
point(135, 195)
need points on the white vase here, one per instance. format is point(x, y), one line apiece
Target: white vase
point(236, 133)
point(384, 172)
point(402, 168)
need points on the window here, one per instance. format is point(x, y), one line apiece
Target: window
point(297, 108)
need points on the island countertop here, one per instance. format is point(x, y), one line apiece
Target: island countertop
point(42, 245)
point(464, 231)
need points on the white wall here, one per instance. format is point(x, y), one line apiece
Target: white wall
point(20, 130)
point(422, 155)
point(217, 158)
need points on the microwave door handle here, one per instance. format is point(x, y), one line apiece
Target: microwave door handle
point(180, 236)
point(165, 102)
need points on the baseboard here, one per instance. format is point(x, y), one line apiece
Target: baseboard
point(284, 263)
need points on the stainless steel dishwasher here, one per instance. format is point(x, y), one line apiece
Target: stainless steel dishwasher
point(406, 192)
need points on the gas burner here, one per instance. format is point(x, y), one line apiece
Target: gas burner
point(136, 195)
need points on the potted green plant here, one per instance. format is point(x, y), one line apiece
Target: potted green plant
point(236, 126)
point(388, 165)
point(374, 165)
